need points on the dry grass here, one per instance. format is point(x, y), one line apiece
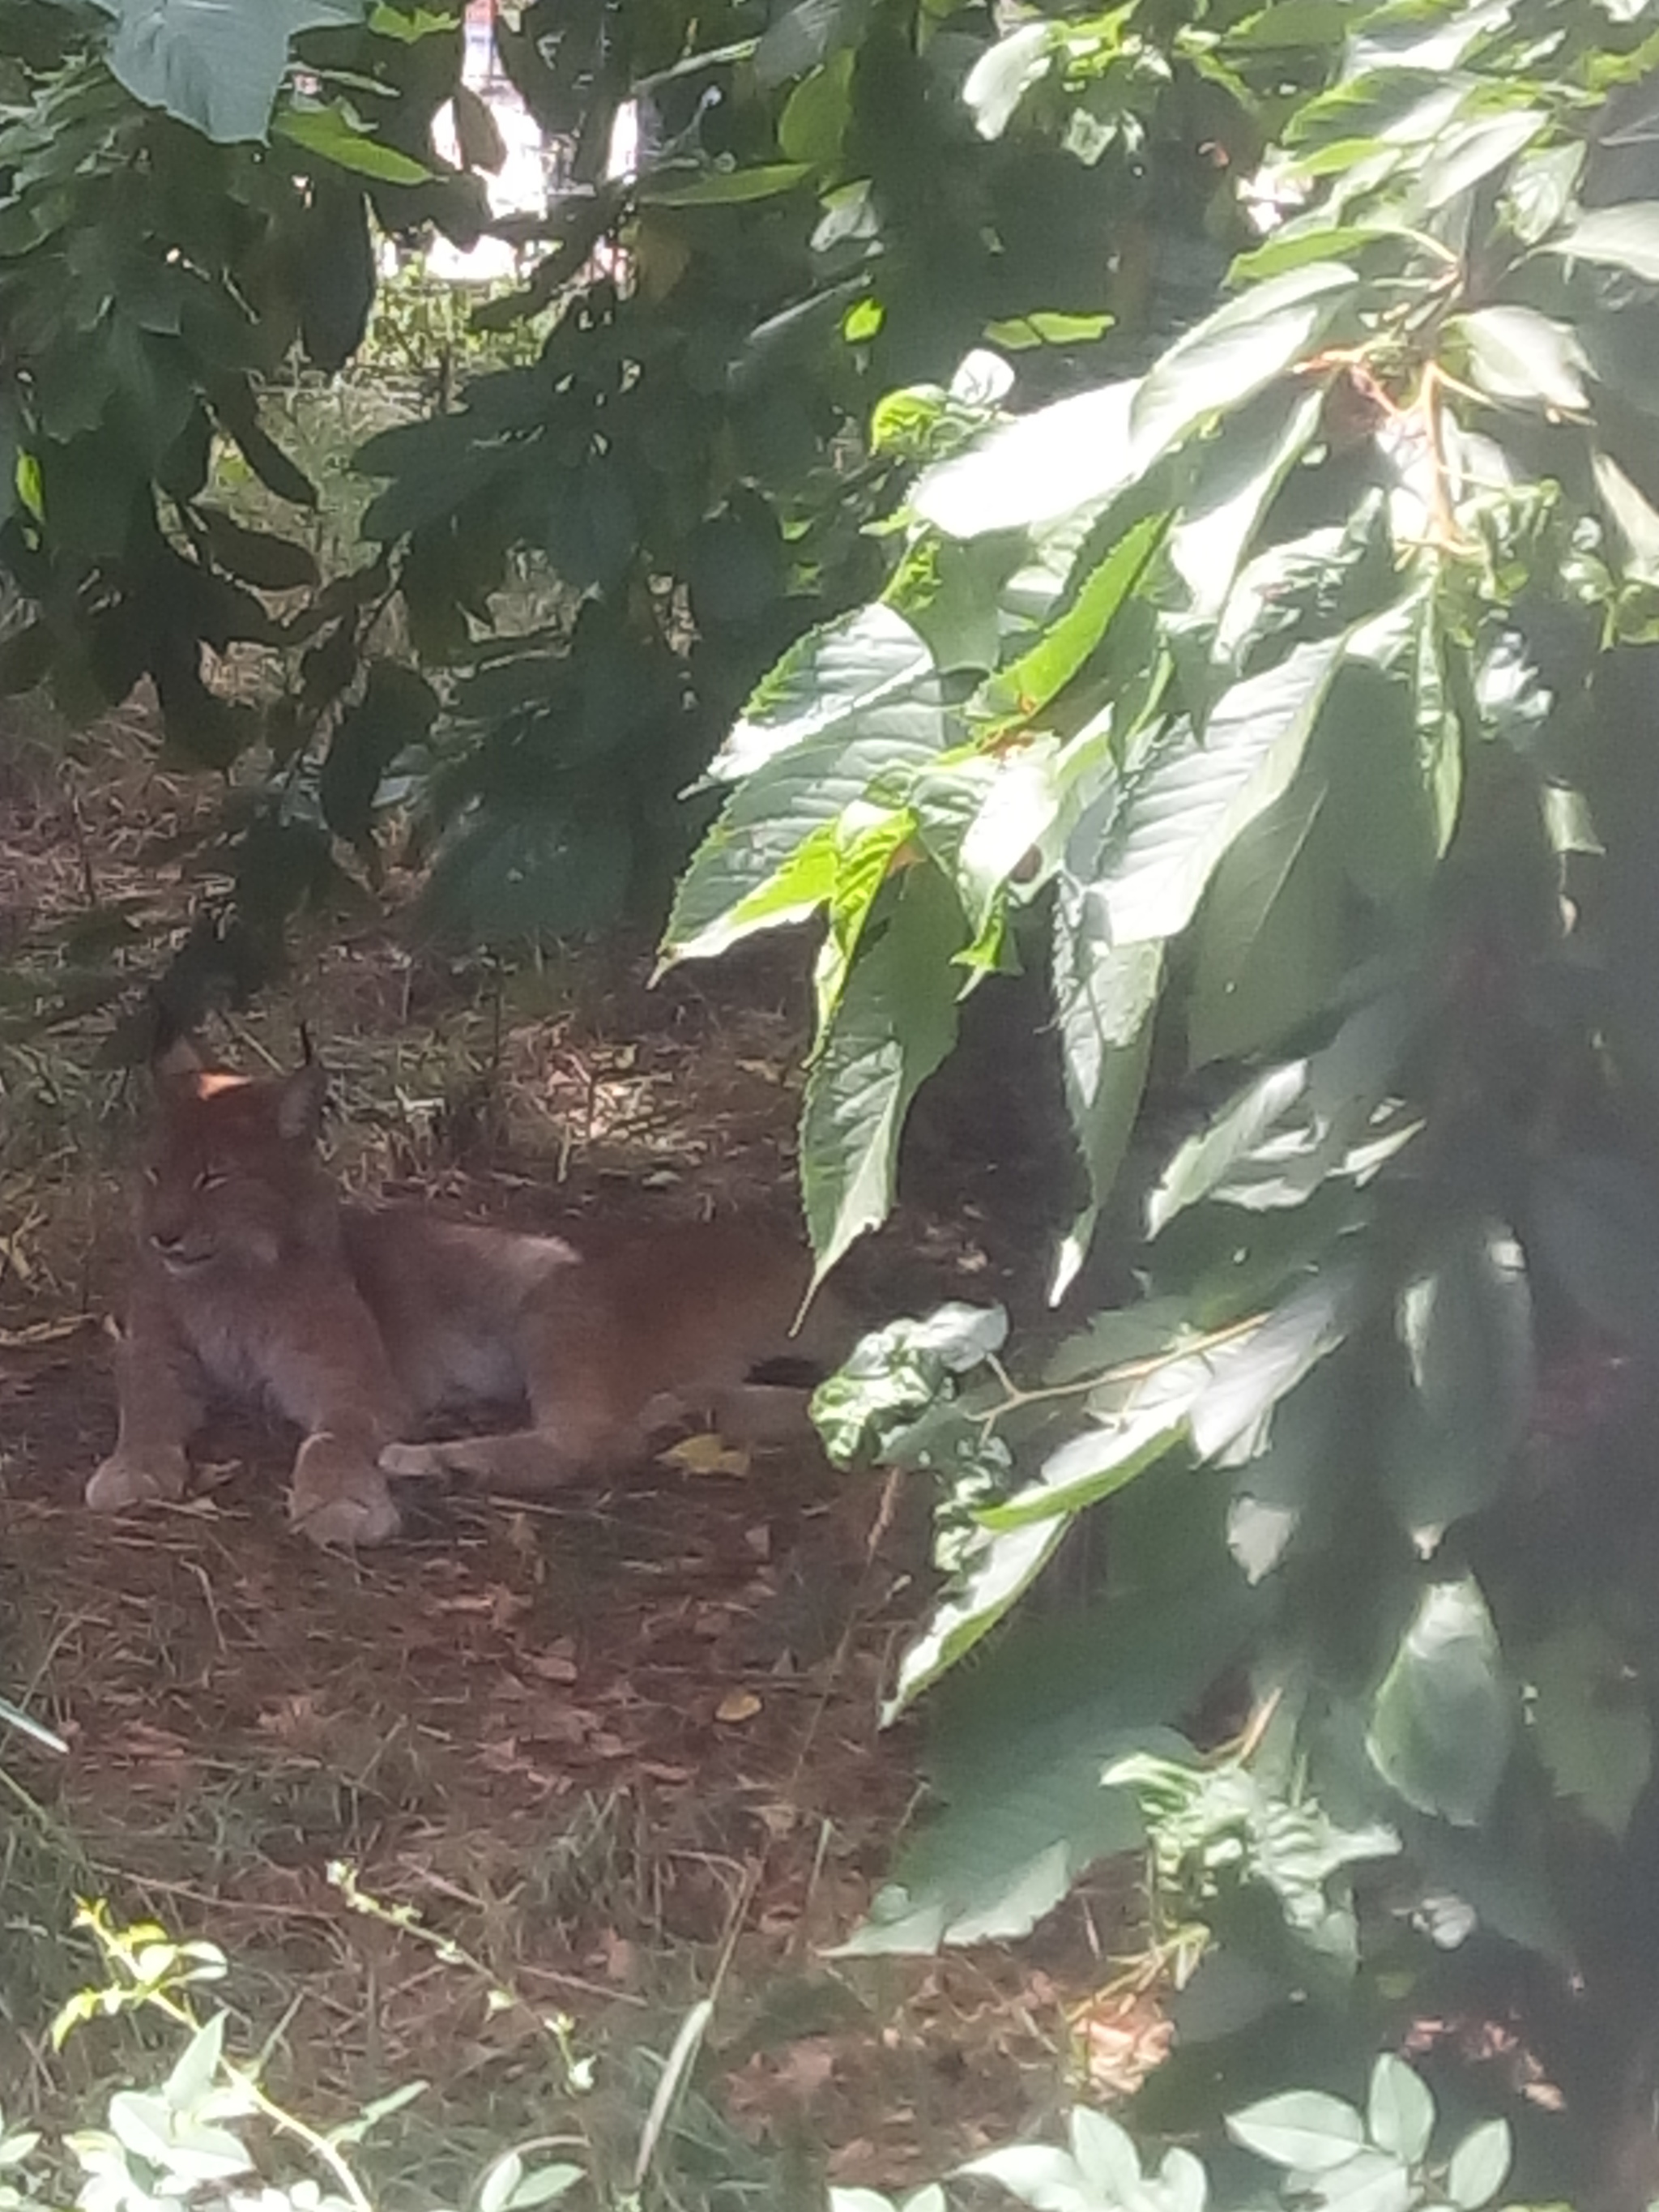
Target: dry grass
point(603, 1745)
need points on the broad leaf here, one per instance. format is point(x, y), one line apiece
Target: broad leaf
point(1304, 2130)
point(1480, 2166)
point(1234, 352)
point(1105, 999)
point(1061, 457)
point(1625, 237)
point(752, 870)
point(999, 1569)
point(1517, 353)
point(1270, 946)
point(1399, 2110)
point(1195, 794)
point(1444, 1719)
point(214, 66)
point(824, 682)
point(330, 132)
point(1465, 1324)
point(1241, 470)
point(896, 1022)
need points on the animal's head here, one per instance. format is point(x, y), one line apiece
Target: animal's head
point(232, 1179)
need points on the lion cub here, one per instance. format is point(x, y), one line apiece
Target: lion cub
point(253, 1280)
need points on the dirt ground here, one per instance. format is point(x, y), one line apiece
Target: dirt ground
point(611, 1751)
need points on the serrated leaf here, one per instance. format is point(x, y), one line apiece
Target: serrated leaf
point(1027, 685)
point(1480, 2166)
point(1049, 463)
point(1240, 470)
point(1304, 2130)
point(1625, 237)
point(1400, 2112)
point(1098, 1462)
point(896, 1022)
point(1182, 810)
point(1001, 1568)
point(1444, 1717)
point(736, 882)
point(1517, 353)
point(1234, 352)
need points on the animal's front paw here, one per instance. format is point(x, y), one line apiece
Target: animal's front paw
point(124, 1481)
point(414, 1462)
point(339, 1496)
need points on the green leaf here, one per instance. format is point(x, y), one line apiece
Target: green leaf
point(1044, 464)
point(397, 709)
point(1400, 2112)
point(1304, 2130)
point(216, 67)
point(1025, 686)
point(896, 1022)
point(824, 682)
point(1195, 794)
point(1000, 1568)
point(816, 115)
point(1105, 1001)
point(1625, 237)
point(271, 564)
point(1394, 755)
point(1589, 1724)
point(1233, 352)
point(1517, 354)
point(1466, 1326)
point(1277, 1140)
point(332, 133)
point(721, 187)
point(1270, 946)
point(1444, 1717)
point(1240, 470)
point(1049, 2180)
point(1541, 190)
point(1480, 2166)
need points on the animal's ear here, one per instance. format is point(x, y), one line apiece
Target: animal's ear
point(299, 1103)
point(175, 1068)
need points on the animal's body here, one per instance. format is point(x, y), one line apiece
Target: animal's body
point(253, 1280)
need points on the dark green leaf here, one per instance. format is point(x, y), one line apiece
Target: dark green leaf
point(895, 1022)
point(1444, 1719)
point(332, 133)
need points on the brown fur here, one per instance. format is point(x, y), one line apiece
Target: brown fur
point(358, 1322)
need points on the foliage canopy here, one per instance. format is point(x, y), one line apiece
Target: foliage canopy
point(1266, 665)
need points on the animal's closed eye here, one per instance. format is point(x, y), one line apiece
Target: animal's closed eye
point(210, 1179)
point(152, 1176)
